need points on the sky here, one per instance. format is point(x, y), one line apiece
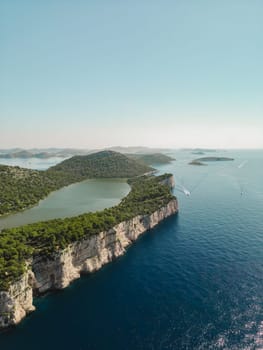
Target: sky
point(157, 73)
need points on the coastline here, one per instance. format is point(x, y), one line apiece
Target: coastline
point(86, 256)
point(94, 189)
point(54, 191)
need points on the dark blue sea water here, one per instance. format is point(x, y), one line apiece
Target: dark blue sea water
point(194, 282)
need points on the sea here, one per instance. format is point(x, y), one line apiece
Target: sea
point(193, 282)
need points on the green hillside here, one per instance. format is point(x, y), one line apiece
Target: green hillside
point(101, 165)
point(21, 188)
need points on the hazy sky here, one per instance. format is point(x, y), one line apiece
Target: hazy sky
point(178, 73)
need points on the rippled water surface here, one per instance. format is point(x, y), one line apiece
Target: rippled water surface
point(194, 282)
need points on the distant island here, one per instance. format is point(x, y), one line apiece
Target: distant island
point(198, 152)
point(21, 188)
point(26, 155)
point(45, 153)
point(201, 161)
point(196, 162)
point(151, 158)
point(203, 150)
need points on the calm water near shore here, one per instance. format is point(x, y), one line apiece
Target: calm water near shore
point(193, 282)
point(79, 198)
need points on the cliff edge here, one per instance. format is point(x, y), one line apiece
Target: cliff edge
point(44, 273)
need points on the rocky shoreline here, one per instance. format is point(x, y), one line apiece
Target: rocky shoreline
point(45, 274)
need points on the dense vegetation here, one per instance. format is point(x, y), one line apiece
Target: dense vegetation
point(152, 158)
point(102, 164)
point(21, 188)
point(18, 244)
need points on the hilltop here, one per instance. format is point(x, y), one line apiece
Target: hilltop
point(102, 164)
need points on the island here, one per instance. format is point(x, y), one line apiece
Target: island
point(26, 155)
point(49, 255)
point(152, 158)
point(45, 153)
point(198, 152)
point(200, 161)
point(196, 162)
point(22, 188)
point(42, 153)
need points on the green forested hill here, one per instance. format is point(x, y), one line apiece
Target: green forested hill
point(21, 188)
point(102, 164)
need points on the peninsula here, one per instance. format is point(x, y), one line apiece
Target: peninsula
point(49, 255)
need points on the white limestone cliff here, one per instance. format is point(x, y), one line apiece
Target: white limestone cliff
point(84, 256)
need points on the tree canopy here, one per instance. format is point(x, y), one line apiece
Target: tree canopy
point(45, 238)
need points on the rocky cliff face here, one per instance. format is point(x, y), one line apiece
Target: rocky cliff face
point(169, 181)
point(80, 257)
point(17, 302)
